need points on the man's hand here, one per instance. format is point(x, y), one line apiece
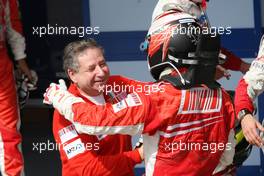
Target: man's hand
point(32, 84)
point(22, 65)
point(54, 90)
point(221, 72)
point(58, 96)
point(31, 75)
point(244, 67)
point(249, 127)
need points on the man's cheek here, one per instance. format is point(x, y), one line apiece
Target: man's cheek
point(107, 70)
point(106, 76)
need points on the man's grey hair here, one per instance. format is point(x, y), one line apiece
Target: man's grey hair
point(73, 50)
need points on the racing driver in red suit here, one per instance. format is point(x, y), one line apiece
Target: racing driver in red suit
point(197, 8)
point(186, 121)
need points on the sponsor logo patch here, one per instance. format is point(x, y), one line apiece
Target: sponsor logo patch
point(200, 100)
point(67, 133)
point(74, 148)
point(119, 106)
point(133, 100)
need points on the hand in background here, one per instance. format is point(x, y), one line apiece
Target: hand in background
point(249, 126)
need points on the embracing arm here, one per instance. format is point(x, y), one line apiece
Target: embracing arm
point(134, 114)
point(126, 117)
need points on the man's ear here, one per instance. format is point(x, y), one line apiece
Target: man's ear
point(72, 75)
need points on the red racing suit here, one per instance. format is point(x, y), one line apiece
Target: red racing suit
point(232, 61)
point(252, 83)
point(185, 132)
point(11, 159)
point(250, 86)
point(83, 154)
point(242, 99)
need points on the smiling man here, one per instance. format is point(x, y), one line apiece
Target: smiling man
point(83, 154)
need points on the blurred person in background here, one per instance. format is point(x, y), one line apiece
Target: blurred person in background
point(11, 159)
point(248, 89)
